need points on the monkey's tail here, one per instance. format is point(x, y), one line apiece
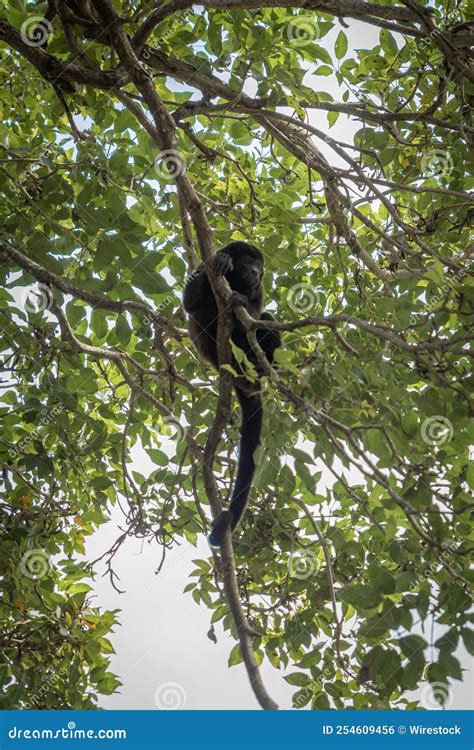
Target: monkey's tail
point(250, 431)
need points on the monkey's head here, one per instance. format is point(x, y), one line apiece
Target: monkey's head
point(246, 274)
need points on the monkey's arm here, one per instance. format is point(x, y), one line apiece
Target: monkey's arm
point(197, 291)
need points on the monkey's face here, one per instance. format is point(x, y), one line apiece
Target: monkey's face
point(246, 276)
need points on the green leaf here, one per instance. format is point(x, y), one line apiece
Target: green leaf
point(332, 118)
point(123, 330)
point(381, 579)
point(298, 678)
point(468, 638)
point(360, 596)
point(235, 656)
point(450, 665)
point(413, 672)
point(412, 645)
point(341, 45)
point(410, 423)
point(99, 323)
point(388, 42)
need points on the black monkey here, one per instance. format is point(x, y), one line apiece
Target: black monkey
point(242, 266)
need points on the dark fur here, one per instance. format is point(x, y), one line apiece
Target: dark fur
point(242, 266)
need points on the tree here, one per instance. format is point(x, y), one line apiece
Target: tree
point(135, 140)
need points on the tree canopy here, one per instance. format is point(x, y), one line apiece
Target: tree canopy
point(136, 138)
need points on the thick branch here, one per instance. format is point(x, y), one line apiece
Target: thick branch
point(371, 13)
point(388, 334)
point(53, 70)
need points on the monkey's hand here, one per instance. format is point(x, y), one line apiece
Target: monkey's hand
point(222, 522)
point(222, 264)
point(237, 299)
